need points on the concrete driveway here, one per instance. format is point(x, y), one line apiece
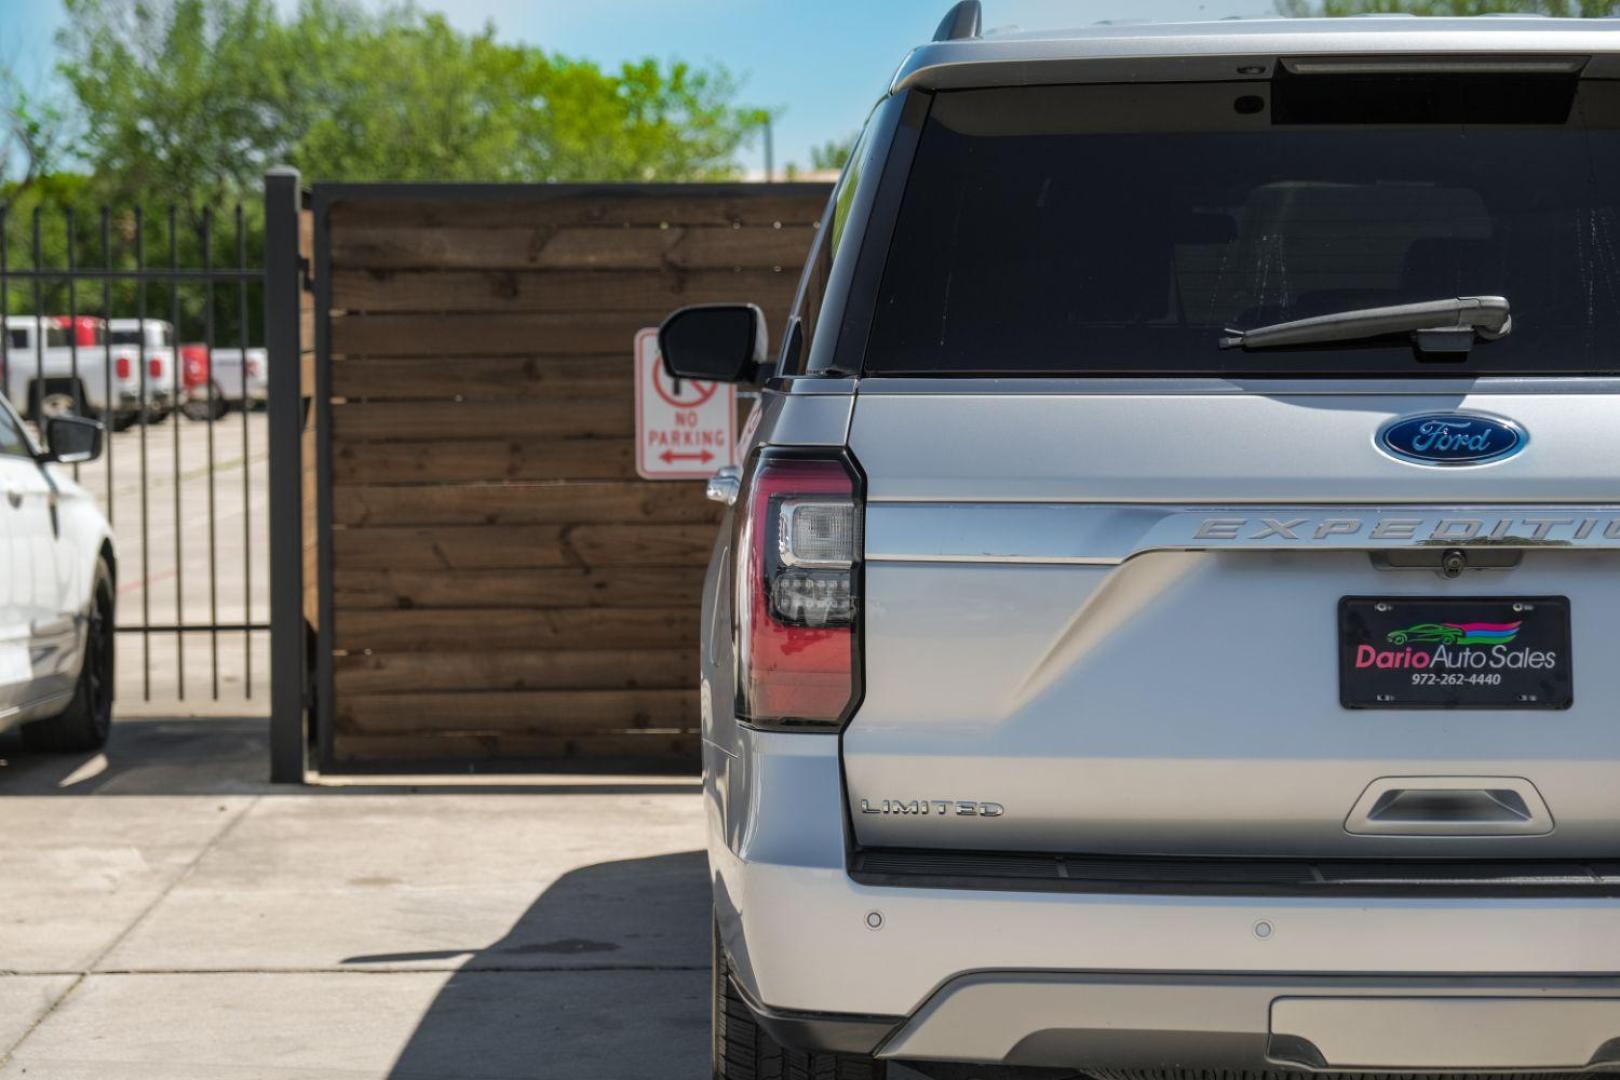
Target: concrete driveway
point(164, 914)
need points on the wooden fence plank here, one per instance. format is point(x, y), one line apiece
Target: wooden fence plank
point(558, 291)
point(619, 586)
point(551, 377)
point(403, 673)
point(493, 334)
point(440, 462)
point(541, 712)
point(795, 204)
point(551, 247)
point(451, 420)
point(675, 751)
point(522, 504)
point(518, 546)
point(562, 629)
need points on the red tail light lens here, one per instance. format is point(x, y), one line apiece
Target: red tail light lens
point(122, 366)
point(796, 603)
point(154, 367)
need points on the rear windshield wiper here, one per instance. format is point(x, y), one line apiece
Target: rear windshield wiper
point(1444, 326)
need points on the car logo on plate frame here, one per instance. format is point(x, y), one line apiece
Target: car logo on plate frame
point(1451, 438)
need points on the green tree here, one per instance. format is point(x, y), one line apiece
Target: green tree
point(182, 100)
point(190, 100)
point(32, 132)
point(833, 154)
point(1563, 8)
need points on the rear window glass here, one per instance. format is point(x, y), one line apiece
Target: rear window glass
point(157, 335)
point(1120, 230)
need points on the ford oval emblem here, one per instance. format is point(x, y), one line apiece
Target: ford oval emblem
point(1451, 438)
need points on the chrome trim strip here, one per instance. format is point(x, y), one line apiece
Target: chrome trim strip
point(1085, 386)
point(1107, 535)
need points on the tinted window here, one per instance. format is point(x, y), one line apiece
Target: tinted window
point(806, 315)
point(124, 337)
point(12, 439)
point(1111, 230)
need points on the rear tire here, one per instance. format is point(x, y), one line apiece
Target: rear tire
point(207, 408)
point(87, 721)
point(743, 1051)
point(123, 421)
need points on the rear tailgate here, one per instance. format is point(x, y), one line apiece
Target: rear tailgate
point(1055, 629)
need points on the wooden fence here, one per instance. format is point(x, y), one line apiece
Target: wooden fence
point(499, 583)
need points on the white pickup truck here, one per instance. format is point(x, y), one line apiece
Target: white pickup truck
point(155, 339)
point(57, 365)
point(224, 379)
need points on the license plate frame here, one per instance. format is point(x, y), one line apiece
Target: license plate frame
point(1455, 652)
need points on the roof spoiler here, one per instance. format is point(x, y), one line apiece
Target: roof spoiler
point(961, 22)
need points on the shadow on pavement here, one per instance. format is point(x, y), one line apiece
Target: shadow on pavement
point(605, 975)
point(231, 756)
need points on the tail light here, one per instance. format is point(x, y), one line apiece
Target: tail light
point(123, 367)
point(154, 367)
point(254, 368)
point(796, 603)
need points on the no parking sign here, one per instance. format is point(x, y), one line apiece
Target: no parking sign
point(685, 429)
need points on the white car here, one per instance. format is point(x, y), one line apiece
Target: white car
point(1160, 628)
point(58, 589)
point(222, 379)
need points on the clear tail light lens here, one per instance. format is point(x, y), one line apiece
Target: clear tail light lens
point(796, 603)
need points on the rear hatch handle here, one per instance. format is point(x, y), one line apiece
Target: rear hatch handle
point(1450, 806)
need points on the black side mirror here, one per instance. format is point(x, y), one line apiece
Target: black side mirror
point(715, 343)
point(73, 440)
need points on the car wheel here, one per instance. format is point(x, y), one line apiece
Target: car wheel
point(124, 421)
point(87, 721)
point(743, 1051)
point(206, 409)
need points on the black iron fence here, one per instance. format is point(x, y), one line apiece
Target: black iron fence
point(153, 323)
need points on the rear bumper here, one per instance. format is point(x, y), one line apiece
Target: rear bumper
point(1004, 975)
point(1267, 1022)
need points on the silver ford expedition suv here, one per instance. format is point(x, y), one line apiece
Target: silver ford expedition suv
point(1163, 624)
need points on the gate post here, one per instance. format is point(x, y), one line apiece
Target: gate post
point(283, 289)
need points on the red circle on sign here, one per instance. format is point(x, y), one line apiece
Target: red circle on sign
point(703, 390)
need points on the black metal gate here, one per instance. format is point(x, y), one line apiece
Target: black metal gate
point(155, 323)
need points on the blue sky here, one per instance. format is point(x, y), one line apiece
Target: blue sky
point(822, 62)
